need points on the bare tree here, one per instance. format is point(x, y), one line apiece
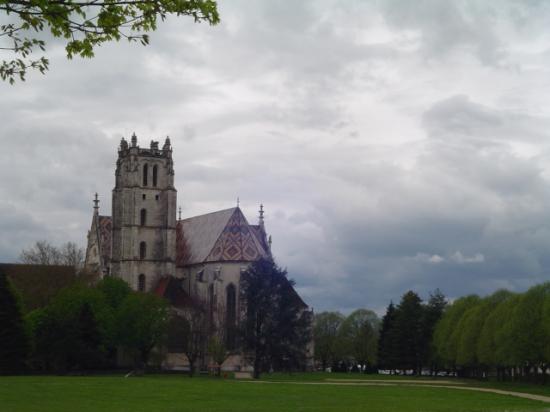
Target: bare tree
point(195, 332)
point(44, 253)
point(217, 341)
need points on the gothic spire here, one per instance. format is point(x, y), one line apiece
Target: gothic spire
point(96, 204)
point(261, 220)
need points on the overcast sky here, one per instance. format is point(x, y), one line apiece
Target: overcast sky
point(395, 145)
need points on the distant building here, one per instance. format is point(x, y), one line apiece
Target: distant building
point(143, 243)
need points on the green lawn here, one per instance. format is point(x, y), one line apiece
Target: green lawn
point(180, 393)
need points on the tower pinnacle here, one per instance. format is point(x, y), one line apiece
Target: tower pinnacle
point(96, 204)
point(261, 221)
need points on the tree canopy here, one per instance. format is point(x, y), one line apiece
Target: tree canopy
point(84, 25)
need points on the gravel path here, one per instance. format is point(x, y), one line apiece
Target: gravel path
point(342, 382)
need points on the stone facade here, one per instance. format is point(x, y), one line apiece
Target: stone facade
point(144, 215)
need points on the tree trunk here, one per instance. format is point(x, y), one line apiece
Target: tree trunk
point(256, 368)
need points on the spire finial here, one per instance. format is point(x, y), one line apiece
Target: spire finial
point(179, 213)
point(134, 139)
point(96, 204)
point(261, 214)
point(238, 201)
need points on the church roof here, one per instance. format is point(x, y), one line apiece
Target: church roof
point(219, 236)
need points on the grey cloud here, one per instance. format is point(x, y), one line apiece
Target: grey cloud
point(443, 183)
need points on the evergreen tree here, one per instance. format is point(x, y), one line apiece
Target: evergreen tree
point(409, 332)
point(388, 345)
point(433, 311)
point(276, 324)
point(14, 344)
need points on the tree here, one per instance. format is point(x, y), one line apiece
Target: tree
point(115, 290)
point(142, 322)
point(71, 333)
point(488, 347)
point(14, 344)
point(446, 334)
point(409, 331)
point(196, 326)
point(217, 336)
point(276, 323)
point(433, 311)
point(359, 335)
point(388, 341)
point(326, 327)
point(529, 334)
point(84, 25)
point(44, 253)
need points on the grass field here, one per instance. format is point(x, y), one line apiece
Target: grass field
point(278, 393)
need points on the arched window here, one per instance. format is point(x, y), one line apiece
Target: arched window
point(231, 315)
point(155, 175)
point(141, 283)
point(211, 304)
point(142, 250)
point(145, 174)
point(143, 217)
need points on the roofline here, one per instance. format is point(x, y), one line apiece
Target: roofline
point(211, 213)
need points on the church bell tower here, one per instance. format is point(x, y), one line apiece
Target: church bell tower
point(144, 214)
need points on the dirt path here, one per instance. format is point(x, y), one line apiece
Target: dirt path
point(336, 382)
point(431, 381)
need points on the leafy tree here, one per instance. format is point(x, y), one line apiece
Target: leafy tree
point(276, 324)
point(446, 334)
point(71, 333)
point(490, 349)
point(84, 25)
point(529, 335)
point(115, 290)
point(326, 336)
point(359, 335)
point(142, 322)
point(14, 343)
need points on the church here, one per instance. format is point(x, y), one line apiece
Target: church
point(153, 250)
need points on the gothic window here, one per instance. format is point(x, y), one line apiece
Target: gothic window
point(145, 174)
point(143, 217)
point(141, 283)
point(231, 315)
point(211, 303)
point(155, 169)
point(142, 250)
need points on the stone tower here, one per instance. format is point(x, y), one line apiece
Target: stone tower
point(144, 214)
